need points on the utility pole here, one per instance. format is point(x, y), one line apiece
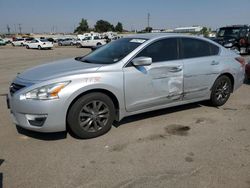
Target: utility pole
point(8, 28)
point(15, 28)
point(148, 19)
point(20, 28)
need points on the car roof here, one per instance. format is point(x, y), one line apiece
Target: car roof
point(161, 35)
point(235, 26)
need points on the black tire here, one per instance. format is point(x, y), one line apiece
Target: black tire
point(78, 45)
point(59, 44)
point(98, 44)
point(96, 113)
point(27, 47)
point(71, 44)
point(39, 47)
point(221, 91)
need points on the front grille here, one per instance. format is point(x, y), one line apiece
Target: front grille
point(15, 87)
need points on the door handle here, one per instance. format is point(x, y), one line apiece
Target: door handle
point(215, 63)
point(175, 69)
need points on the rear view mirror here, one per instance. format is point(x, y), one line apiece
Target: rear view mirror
point(142, 61)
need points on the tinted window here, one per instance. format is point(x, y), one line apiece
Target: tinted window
point(243, 33)
point(162, 50)
point(214, 49)
point(191, 48)
point(229, 32)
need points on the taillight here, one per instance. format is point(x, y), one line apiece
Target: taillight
point(242, 42)
point(241, 60)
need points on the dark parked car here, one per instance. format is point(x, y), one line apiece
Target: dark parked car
point(235, 37)
point(51, 40)
point(248, 71)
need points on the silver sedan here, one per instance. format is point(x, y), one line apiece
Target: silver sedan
point(132, 75)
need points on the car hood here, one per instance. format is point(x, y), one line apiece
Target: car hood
point(57, 69)
point(224, 40)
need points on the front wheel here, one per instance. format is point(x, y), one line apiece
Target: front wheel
point(221, 91)
point(27, 47)
point(39, 47)
point(91, 115)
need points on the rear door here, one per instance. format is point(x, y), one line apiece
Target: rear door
point(33, 43)
point(201, 63)
point(156, 84)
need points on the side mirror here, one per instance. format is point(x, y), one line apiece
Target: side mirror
point(142, 61)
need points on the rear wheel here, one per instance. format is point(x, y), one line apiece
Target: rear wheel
point(91, 115)
point(221, 91)
point(39, 47)
point(98, 44)
point(78, 45)
point(27, 46)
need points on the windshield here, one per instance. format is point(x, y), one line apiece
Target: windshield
point(44, 40)
point(229, 32)
point(113, 52)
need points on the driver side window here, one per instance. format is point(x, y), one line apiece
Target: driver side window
point(162, 50)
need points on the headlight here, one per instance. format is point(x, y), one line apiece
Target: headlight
point(228, 45)
point(45, 92)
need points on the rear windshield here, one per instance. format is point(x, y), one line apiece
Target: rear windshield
point(44, 40)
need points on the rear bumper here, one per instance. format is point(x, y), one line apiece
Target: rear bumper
point(239, 78)
point(47, 46)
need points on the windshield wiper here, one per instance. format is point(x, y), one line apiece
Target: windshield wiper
point(78, 58)
point(83, 60)
point(86, 61)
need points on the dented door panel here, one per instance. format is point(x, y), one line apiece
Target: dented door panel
point(153, 85)
point(199, 75)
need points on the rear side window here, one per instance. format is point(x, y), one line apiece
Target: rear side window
point(214, 50)
point(162, 50)
point(191, 48)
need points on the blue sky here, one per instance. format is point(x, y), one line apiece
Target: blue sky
point(64, 15)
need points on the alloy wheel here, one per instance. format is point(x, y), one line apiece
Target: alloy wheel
point(94, 116)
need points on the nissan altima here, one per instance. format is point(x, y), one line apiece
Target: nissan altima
point(132, 75)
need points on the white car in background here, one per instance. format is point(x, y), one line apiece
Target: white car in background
point(18, 42)
point(91, 42)
point(27, 40)
point(39, 44)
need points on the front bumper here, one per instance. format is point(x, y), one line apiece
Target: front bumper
point(37, 115)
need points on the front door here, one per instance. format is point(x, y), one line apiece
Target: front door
point(156, 84)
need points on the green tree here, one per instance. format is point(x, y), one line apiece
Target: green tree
point(119, 27)
point(148, 29)
point(83, 26)
point(205, 31)
point(103, 26)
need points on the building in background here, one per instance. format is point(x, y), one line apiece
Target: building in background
point(193, 29)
